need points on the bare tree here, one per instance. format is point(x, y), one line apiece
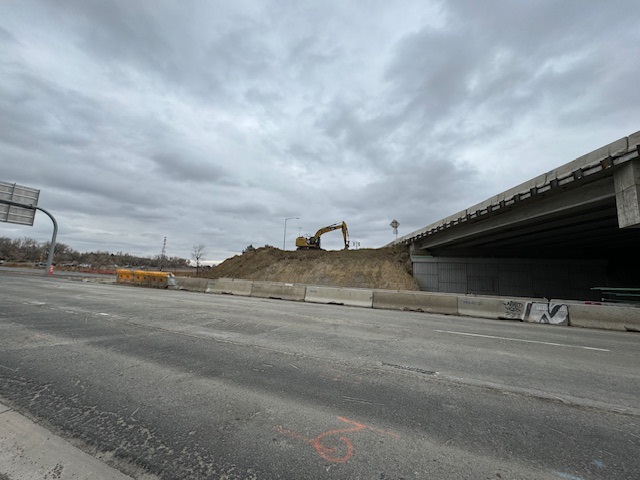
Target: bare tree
point(198, 253)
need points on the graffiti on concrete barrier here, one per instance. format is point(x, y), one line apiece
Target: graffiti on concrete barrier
point(514, 309)
point(550, 313)
point(333, 445)
point(470, 302)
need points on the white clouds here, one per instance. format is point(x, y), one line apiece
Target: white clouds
point(211, 122)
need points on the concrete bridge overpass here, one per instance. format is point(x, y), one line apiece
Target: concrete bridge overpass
point(556, 236)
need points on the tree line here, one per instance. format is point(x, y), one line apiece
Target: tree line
point(25, 249)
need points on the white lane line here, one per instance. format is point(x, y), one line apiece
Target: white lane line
point(525, 341)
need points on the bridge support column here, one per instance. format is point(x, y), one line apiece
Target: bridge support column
point(627, 186)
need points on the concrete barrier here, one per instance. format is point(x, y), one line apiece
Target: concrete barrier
point(192, 284)
point(416, 301)
point(551, 313)
point(608, 317)
point(492, 307)
point(230, 286)
point(340, 296)
point(281, 291)
point(556, 312)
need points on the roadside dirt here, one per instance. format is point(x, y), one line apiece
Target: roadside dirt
point(386, 268)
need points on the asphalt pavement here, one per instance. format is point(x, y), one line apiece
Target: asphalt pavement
point(169, 384)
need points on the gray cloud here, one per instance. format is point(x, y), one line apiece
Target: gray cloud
point(213, 122)
point(179, 167)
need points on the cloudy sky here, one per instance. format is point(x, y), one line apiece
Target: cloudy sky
point(213, 121)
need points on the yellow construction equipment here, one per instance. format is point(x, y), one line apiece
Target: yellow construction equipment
point(313, 243)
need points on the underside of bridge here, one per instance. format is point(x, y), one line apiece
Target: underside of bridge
point(558, 235)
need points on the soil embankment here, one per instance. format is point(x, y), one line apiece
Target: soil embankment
point(386, 268)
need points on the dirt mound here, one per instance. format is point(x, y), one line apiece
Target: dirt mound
point(387, 268)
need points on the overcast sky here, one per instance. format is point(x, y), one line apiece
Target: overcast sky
point(213, 121)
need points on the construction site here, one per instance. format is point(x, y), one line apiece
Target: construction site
point(385, 268)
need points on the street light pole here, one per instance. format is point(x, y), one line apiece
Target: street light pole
point(284, 240)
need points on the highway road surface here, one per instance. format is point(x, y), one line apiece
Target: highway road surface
point(169, 384)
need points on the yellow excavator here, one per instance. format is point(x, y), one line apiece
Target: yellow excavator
point(313, 243)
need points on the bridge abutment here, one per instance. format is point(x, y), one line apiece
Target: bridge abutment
point(627, 188)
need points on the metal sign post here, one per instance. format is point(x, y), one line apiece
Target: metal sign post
point(48, 269)
point(18, 205)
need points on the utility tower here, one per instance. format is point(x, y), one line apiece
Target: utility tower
point(163, 254)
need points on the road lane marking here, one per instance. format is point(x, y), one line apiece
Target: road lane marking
point(525, 341)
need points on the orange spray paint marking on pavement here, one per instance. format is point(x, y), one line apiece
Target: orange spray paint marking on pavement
point(329, 453)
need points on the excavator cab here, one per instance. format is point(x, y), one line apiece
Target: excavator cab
point(308, 243)
point(313, 242)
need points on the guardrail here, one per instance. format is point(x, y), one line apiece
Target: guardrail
point(619, 294)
